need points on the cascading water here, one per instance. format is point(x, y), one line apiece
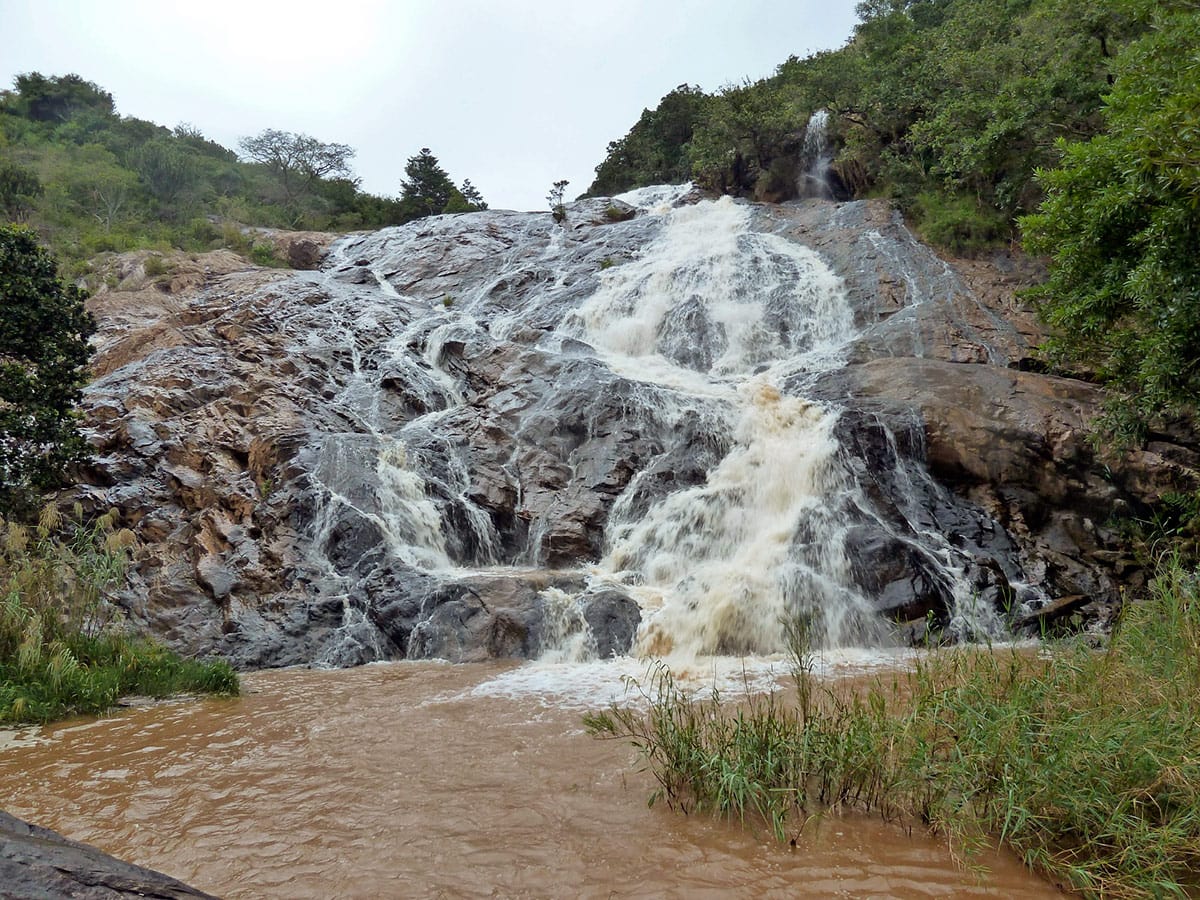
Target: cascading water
point(713, 314)
point(531, 429)
point(815, 158)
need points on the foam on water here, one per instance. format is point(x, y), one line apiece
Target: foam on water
point(595, 683)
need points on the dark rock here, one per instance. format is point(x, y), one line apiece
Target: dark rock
point(303, 253)
point(36, 863)
point(613, 618)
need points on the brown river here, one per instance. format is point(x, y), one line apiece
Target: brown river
point(429, 780)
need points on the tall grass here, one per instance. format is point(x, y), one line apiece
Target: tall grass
point(1085, 763)
point(63, 650)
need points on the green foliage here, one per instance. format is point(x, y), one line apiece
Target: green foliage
point(263, 254)
point(471, 195)
point(89, 181)
point(428, 191)
point(62, 649)
point(961, 97)
point(167, 168)
point(44, 332)
point(155, 266)
point(296, 161)
point(1085, 764)
point(958, 223)
point(555, 198)
point(58, 99)
point(1122, 222)
point(19, 188)
point(426, 188)
point(655, 150)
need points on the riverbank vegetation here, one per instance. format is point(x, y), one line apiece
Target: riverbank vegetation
point(1084, 763)
point(63, 648)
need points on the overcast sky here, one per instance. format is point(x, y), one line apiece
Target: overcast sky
point(513, 95)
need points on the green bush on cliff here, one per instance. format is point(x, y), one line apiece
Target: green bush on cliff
point(44, 331)
point(1122, 223)
point(1084, 763)
point(88, 180)
point(63, 650)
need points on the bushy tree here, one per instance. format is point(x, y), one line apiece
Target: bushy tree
point(168, 168)
point(656, 149)
point(1122, 222)
point(19, 188)
point(44, 332)
point(297, 161)
point(426, 188)
point(471, 195)
point(59, 98)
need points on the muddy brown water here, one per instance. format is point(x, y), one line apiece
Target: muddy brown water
point(428, 780)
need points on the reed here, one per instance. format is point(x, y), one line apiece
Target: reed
point(64, 649)
point(1085, 763)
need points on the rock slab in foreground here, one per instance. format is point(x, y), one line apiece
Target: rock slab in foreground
point(36, 862)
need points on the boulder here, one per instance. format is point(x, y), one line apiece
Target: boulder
point(36, 863)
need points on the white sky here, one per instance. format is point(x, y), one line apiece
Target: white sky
point(513, 94)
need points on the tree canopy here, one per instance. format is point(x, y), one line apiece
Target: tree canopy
point(1080, 119)
point(1121, 220)
point(88, 180)
point(297, 161)
point(427, 189)
point(44, 332)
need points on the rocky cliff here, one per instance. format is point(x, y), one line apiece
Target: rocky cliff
point(670, 420)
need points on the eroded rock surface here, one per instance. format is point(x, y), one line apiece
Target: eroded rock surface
point(417, 449)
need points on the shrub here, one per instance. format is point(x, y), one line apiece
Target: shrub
point(959, 224)
point(265, 255)
point(155, 266)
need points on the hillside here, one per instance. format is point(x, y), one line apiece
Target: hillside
point(91, 181)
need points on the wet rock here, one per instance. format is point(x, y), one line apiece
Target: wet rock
point(306, 456)
point(36, 862)
point(481, 618)
point(613, 618)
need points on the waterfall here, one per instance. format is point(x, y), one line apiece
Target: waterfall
point(815, 158)
point(714, 315)
point(525, 425)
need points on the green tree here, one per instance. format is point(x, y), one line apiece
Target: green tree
point(296, 160)
point(168, 169)
point(44, 332)
point(555, 198)
point(58, 98)
point(471, 195)
point(19, 188)
point(656, 149)
point(427, 188)
point(1121, 221)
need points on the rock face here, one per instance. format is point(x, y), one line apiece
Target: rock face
point(36, 863)
point(490, 435)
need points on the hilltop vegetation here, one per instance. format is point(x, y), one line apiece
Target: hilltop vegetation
point(89, 180)
point(1074, 124)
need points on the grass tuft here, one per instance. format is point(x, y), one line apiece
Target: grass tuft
point(63, 647)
